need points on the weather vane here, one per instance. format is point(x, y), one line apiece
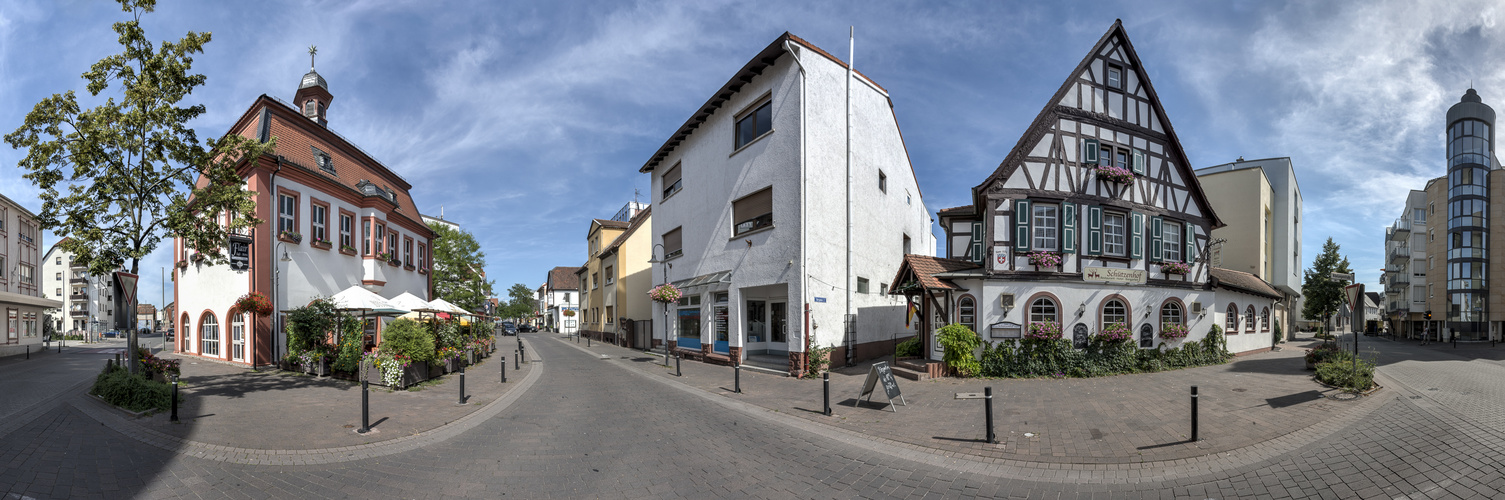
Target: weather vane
point(312, 50)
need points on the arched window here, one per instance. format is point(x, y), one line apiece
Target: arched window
point(1249, 318)
point(1170, 313)
point(1114, 311)
point(1264, 319)
point(187, 340)
point(208, 335)
point(967, 312)
point(1043, 310)
point(1231, 323)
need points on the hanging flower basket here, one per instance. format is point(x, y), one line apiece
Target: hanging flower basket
point(1045, 330)
point(1114, 174)
point(1181, 268)
point(569, 312)
point(1044, 259)
point(255, 303)
point(1116, 332)
point(1172, 331)
point(665, 293)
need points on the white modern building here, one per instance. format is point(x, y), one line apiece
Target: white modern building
point(1406, 268)
point(771, 207)
point(561, 300)
point(1093, 220)
point(333, 217)
point(23, 295)
point(88, 300)
point(1260, 205)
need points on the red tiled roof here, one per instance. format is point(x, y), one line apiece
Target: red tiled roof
point(926, 267)
point(964, 209)
point(564, 278)
point(1242, 282)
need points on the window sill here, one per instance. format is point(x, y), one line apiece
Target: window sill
point(755, 231)
point(423, 271)
point(286, 239)
point(671, 195)
point(409, 267)
point(750, 143)
point(350, 252)
point(321, 245)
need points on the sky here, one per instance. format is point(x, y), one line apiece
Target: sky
point(522, 121)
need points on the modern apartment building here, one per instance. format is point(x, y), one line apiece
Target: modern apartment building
point(23, 295)
point(1405, 280)
point(782, 205)
point(1093, 221)
point(88, 300)
point(1260, 205)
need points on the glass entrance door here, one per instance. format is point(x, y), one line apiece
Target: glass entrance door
point(778, 326)
point(238, 337)
point(721, 323)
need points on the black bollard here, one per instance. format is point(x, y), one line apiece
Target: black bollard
point(174, 417)
point(365, 406)
point(462, 383)
point(504, 368)
point(825, 379)
point(987, 410)
point(587, 341)
point(1194, 413)
point(737, 378)
point(676, 366)
point(517, 360)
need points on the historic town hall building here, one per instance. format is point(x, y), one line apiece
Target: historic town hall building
point(1094, 218)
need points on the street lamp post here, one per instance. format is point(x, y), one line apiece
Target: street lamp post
point(665, 262)
point(276, 294)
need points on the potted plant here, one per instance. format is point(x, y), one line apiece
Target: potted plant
point(183, 263)
point(313, 362)
point(347, 249)
point(1041, 258)
point(1172, 331)
point(406, 339)
point(290, 236)
point(255, 303)
point(666, 293)
point(1114, 174)
point(1181, 268)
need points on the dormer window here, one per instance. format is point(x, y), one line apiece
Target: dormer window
point(323, 159)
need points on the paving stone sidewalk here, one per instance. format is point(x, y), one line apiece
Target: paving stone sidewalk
point(231, 406)
point(1109, 420)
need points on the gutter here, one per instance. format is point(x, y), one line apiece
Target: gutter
point(804, 207)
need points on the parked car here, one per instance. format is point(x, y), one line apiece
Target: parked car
point(509, 328)
point(526, 328)
point(112, 334)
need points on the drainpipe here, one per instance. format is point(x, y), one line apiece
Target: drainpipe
point(804, 208)
point(849, 326)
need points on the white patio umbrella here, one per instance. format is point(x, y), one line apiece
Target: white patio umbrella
point(356, 298)
point(444, 305)
point(412, 303)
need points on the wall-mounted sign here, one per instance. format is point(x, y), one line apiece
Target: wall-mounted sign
point(1114, 275)
point(820, 299)
point(240, 252)
point(1001, 258)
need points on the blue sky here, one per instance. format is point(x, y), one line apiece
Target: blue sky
point(524, 120)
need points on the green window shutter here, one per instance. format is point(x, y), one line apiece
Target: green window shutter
point(977, 242)
point(1191, 244)
point(1136, 239)
point(1138, 162)
point(1094, 230)
point(1089, 151)
point(1068, 227)
point(1021, 225)
point(1157, 245)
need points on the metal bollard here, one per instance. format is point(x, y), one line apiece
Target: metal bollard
point(174, 417)
point(987, 410)
point(676, 366)
point(462, 383)
point(504, 369)
point(737, 378)
point(365, 406)
point(825, 379)
point(1194, 413)
point(517, 359)
point(587, 341)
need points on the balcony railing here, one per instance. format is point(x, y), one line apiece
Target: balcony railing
point(1400, 253)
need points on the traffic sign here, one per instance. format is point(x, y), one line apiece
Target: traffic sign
point(1341, 276)
point(127, 285)
point(1352, 292)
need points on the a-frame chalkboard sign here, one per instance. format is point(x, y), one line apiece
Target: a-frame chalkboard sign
point(881, 373)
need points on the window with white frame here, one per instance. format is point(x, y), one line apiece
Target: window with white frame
point(1249, 318)
point(208, 335)
point(1043, 310)
point(1231, 322)
point(319, 217)
point(1114, 311)
point(287, 213)
point(1115, 234)
point(966, 312)
point(1046, 219)
point(346, 221)
point(1170, 234)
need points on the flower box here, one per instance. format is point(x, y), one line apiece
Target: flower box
point(1173, 331)
point(161, 377)
point(318, 368)
point(1044, 259)
point(436, 370)
point(290, 236)
point(347, 249)
point(320, 244)
point(183, 264)
point(1114, 174)
point(451, 365)
point(416, 372)
point(1180, 268)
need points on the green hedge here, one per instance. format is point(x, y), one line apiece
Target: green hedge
point(132, 392)
point(408, 338)
point(1057, 357)
point(1338, 371)
point(908, 348)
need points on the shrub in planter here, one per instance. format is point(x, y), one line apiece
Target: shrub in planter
point(1323, 353)
point(405, 337)
point(1338, 371)
point(958, 343)
point(348, 358)
point(308, 327)
point(132, 392)
point(908, 349)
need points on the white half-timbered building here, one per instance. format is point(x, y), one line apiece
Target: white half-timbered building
point(1094, 218)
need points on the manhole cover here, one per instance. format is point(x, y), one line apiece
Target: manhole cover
point(1240, 389)
point(1344, 396)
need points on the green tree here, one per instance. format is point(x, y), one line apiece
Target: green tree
point(117, 178)
point(458, 268)
point(1322, 294)
point(521, 305)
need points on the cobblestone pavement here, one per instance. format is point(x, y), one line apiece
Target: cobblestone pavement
point(589, 428)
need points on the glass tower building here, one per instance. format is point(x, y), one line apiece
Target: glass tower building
point(1470, 132)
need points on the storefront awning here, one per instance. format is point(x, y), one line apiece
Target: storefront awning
point(704, 281)
point(28, 300)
